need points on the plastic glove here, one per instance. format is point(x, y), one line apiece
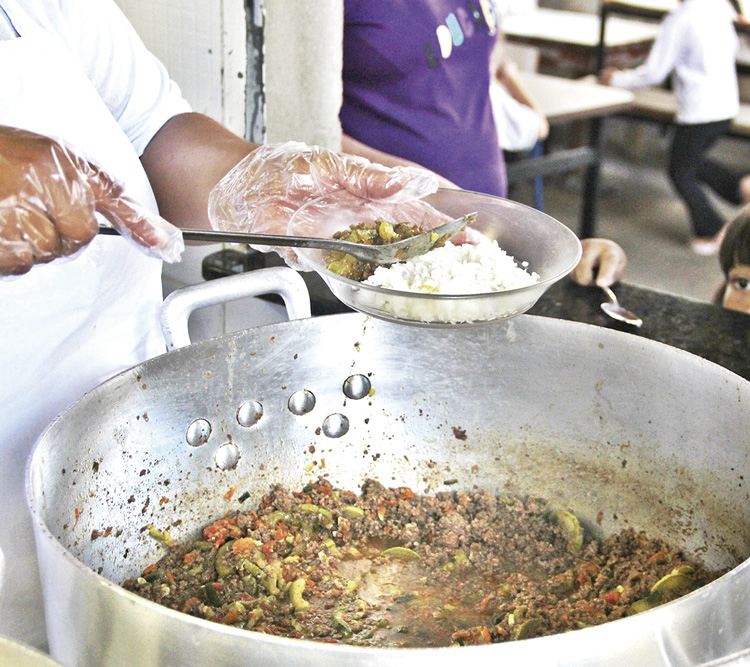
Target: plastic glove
point(262, 192)
point(48, 197)
point(602, 263)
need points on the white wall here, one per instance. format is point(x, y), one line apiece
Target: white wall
point(203, 45)
point(303, 56)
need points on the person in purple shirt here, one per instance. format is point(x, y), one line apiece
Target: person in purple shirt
point(416, 78)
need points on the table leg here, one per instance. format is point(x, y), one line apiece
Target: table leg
point(538, 181)
point(590, 204)
point(601, 46)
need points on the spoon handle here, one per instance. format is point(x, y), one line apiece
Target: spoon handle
point(612, 296)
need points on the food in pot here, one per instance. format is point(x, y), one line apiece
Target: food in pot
point(393, 569)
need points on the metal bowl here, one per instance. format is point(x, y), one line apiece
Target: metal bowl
point(547, 247)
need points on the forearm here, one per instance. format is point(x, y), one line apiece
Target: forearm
point(353, 147)
point(184, 160)
point(659, 64)
point(507, 75)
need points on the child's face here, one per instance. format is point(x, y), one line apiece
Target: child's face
point(737, 292)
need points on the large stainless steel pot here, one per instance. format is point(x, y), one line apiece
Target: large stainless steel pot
point(648, 435)
point(16, 654)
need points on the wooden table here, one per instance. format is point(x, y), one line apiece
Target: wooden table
point(648, 9)
point(569, 42)
point(566, 101)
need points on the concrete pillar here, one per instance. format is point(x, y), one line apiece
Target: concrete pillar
point(303, 57)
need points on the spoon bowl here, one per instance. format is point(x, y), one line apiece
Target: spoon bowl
point(617, 312)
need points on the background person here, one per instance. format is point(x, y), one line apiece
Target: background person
point(416, 77)
point(696, 46)
point(734, 257)
point(521, 122)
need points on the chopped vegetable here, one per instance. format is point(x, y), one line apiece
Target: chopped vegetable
point(378, 232)
point(391, 568)
point(571, 528)
point(402, 553)
point(673, 581)
point(351, 512)
point(295, 595)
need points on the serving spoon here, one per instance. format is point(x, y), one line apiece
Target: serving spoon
point(617, 312)
point(378, 254)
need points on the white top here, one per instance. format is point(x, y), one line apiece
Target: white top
point(696, 45)
point(517, 124)
point(74, 70)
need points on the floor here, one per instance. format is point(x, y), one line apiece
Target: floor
point(640, 211)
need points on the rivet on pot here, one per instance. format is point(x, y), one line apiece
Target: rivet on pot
point(228, 456)
point(335, 425)
point(357, 386)
point(301, 402)
point(249, 413)
point(198, 433)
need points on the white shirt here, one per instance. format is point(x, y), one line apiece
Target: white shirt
point(697, 46)
point(517, 124)
point(74, 70)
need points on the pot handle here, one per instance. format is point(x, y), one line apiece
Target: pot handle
point(281, 280)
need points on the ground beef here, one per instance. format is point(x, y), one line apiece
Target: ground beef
point(390, 568)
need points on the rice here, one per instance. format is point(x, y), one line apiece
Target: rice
point(465, 281)
point(456, 269)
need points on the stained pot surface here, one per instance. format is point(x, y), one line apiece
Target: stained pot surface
point(601, 421)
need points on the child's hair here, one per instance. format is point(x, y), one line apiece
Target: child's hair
point(735, 248)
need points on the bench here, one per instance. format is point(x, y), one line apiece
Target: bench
point(659, 105)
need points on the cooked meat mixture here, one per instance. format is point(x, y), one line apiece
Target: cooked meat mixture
point(379, 232)
point(390, 568)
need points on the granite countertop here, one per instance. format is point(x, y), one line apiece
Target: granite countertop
point(708, 331)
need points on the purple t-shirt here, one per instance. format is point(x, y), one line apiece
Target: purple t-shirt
point(416, 84)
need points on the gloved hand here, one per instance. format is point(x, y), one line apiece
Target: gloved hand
point(602, 263)
point(48, 196)
point(262, 192)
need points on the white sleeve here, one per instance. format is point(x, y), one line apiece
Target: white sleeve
point(133, 83)
point(660, 62)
